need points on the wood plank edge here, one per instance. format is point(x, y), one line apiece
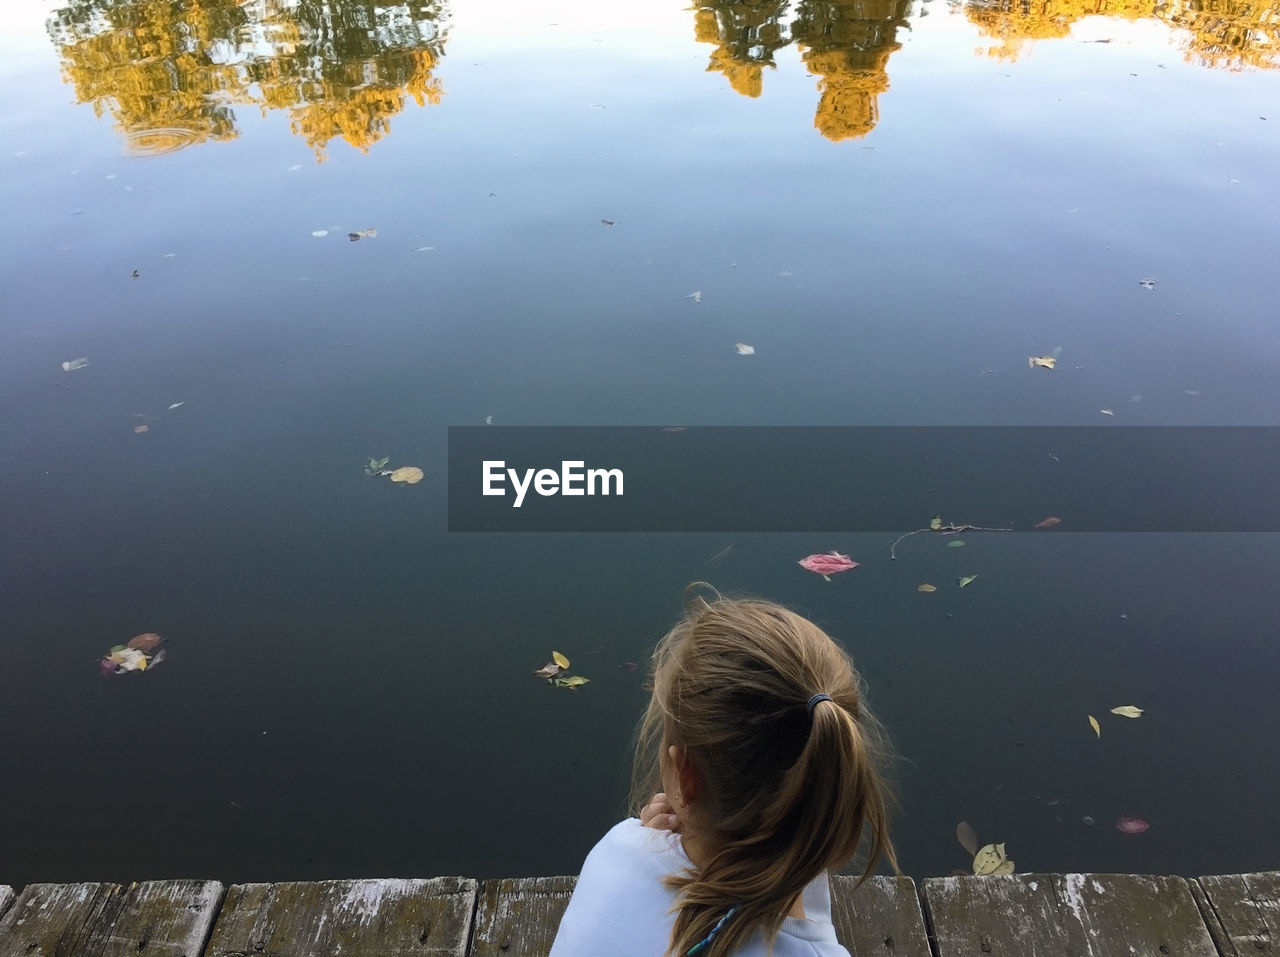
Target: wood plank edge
point(211, 917)
point(476, 897)
point(926, 914)
point(1209, 914)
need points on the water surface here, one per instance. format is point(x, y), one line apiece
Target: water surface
point(895, 204)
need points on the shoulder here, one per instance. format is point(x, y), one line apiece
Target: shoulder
point(633, 854)
point(808, 938)
point(619, 904)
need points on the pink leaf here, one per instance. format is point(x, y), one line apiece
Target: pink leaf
point(1131, 825)
point(827, 564)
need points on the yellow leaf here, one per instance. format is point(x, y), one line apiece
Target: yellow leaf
point(1127, 711)
point(926, 588)
point(1093, 723)
point(966, 580)
point(573, 681)
point(409, 474)
point(1047, 362)
point(936, 523)
point(560, 659)
point(991, 859)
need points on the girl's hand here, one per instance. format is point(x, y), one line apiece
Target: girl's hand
point(659, 814)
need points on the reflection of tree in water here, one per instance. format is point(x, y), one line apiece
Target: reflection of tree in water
point(747, 34)
point(171, 71)
point(1232, 34)
point(845, 42)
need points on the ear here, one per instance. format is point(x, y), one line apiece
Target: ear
point(686, 774)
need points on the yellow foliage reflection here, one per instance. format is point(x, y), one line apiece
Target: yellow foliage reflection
point(846, 44)
point(171, 72)
point(1231, 34)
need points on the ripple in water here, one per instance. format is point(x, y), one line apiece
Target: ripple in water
point(159, 141)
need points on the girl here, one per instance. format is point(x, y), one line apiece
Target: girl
point(768, 762)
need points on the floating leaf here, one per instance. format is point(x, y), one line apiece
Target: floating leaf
point(376, 465)
point(1148, 284)
point(1097, 728)
point(956, 543)
point(696, 295)
point(573, 681)
point(1046, 362)
point(409, 474)
point(560, 659)
point(139, 429)
point(128, 659)
point(549, 670)
point(744, 349)
point(148, 641)
point(175, 405)
point(74, 364)
point(966, 580)
point(1127, 711)
point(967, 838)
point(1049, 522)
point(1107, 411)
point(827, 564)
point(1132, 825)
point(362, 234)
point(991, 860)
point(935, 523)
point(138, 655)
point(926, 588)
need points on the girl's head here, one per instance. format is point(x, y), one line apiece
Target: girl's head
point(779, 795)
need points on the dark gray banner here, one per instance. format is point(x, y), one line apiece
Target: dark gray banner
point(800, 479)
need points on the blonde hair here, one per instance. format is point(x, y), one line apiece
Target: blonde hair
point(784, 796)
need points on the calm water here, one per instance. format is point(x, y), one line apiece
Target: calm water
point(895, 204)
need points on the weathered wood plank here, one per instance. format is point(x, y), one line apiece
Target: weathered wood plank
point(1091, 915)
point(162, 918)
point(519, 918)
point(6, 898)
point(52, 920)
point(1004, 916)
point(1246, 911)
point(371, 918)
point(881, 917)
point(1125, 914)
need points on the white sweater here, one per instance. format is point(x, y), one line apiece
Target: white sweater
point(620, 907)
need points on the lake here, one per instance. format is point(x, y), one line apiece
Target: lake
point(293, 237)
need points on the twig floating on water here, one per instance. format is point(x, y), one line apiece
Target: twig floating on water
point(940, 529)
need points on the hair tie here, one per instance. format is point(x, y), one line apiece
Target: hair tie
point(813, 702)
point(703, 944)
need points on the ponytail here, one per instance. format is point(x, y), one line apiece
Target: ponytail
point(771, 711)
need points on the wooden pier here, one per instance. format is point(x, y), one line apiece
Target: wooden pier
point(1026, 915)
